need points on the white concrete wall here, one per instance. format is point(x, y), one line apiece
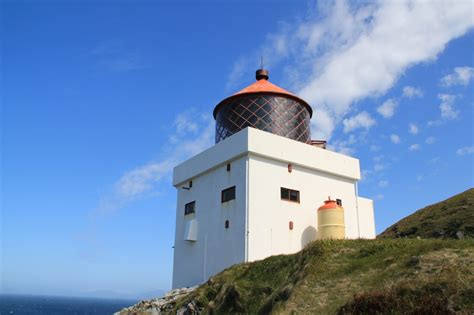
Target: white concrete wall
point(216, 248)
point(269, 216)
point(317, 174)
point(366, 218)
point(267, 145)
point(284, 149)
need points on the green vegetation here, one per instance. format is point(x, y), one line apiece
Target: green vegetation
point(395, 274)
point(347, 277)
point(452, 218)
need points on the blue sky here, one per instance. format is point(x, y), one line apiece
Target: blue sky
point(101, 99)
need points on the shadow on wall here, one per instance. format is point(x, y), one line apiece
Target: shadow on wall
point(309, 234)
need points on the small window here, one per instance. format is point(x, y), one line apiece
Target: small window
point(226, 224)
point(290, 194)
point(228, 194)
point(228, 167)
point(190, 208)
point(190, 184)
point(339, 202)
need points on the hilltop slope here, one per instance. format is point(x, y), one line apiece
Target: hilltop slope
point(350, 276)
point(451, 218)
point(389, 275)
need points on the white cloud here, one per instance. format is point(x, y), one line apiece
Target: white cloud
point(387, 109)
point(193, 131)
point(446, 107)
point(379, 167)
point(379, 197)
point(344, 146)
point(378, 158)
point(411, 92)
point(374, 148)
point(395, 138)
point(459, 76)
point(430, 140)
point(365, 174)
point(413, 128)
point(414, 147)
point(361, 120)
point(345, 51)
point(465, 151)
point(383, 183)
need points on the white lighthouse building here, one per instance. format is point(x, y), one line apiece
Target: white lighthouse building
point(256, 192)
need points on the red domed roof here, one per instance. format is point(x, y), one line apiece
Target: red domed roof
point(262, 85)
point(329, 204)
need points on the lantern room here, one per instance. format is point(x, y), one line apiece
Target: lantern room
point(265, 106)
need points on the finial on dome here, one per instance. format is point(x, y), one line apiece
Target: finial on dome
point(261, 74)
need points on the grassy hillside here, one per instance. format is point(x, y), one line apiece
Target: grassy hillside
point(451, 218)
point(395, 274)
point(346, 277)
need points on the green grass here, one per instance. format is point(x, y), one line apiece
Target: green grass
point(441, 220)
point(347, 277)
point(416, 266)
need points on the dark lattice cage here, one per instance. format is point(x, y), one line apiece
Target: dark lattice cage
point(278, 114)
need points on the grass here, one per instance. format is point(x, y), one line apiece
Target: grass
point(445, 219)
point(349, 276)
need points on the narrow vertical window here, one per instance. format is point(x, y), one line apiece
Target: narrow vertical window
point(190, 183)
point(226, 224)
point(228, 167)
point(228, 194)
point(190, 208)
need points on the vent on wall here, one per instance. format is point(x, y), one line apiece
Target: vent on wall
point(191, 231)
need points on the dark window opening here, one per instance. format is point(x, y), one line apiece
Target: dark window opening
point(228, 167)
point(190, 183)
point(228, 194)
point(226, 224)
point(290, 194)
point(339, 202)
point(190, 208)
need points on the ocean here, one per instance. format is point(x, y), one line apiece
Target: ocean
point(54, 305)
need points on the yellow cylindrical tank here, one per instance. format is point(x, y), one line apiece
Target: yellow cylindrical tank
point(331, 221)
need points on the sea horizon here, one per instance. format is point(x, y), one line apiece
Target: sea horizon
point(29, 304)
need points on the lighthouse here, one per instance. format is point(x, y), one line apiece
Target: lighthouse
point(257, 191)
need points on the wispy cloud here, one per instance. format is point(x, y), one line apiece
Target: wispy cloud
point(363, 120)
point(465, 151)
point(383, 183)
point(387, 109)
point(395, 138)
point(447, 106)
point(193, 132)
point(115, 56)
point(413, 128)
point(430, 140)
point(459, 76)
point(447, 110)
point(344, 52)
point(412, 92)
point(414, 147)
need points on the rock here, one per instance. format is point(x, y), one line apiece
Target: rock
point(460, 235)
point(163, 305)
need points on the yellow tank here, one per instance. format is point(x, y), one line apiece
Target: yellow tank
point(331, 221)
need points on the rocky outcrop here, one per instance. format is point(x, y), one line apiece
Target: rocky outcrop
point(163, 305)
